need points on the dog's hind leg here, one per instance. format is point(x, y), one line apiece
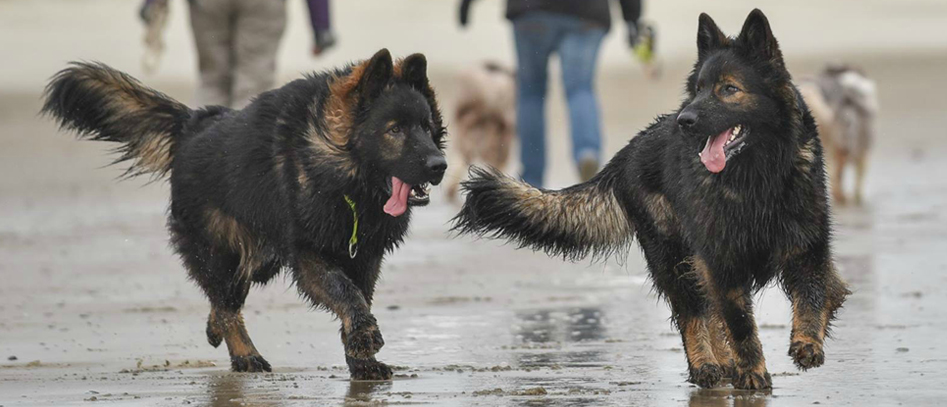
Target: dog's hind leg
point(328, 286)
point(215, 271)
point(838, 190)
point(816, 292)
point(861, 162)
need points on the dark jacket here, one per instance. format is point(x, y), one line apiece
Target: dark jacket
point(595, 11)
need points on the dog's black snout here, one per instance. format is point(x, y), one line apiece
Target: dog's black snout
point(687, 118)
point(436, 164)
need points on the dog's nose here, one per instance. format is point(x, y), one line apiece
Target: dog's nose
point(686, 119)
point(436, 164)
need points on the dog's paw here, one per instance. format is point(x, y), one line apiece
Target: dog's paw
point(752, 381)
point(728, 370)
point(214, 337)
point(249, 363)
point(368, 369)
point(707, 376)
point(364, 342)
point(806, 355)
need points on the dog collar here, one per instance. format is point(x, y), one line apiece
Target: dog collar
point(353, 241)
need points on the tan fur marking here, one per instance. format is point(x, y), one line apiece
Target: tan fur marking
point(234, 333)
point(741, 98)
point(661, 212)
point(703, 275)
point(228, 231)
point(697, 341)
point(338, 116)
point(393, 144)
point(720, 339)
point(806, 157)
point(808, 326)
point(154, 152)
point(602, 222)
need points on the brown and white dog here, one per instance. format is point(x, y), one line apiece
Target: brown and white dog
point(844, 103)
point(484, 120)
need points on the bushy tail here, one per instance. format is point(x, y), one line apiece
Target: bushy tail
point(572, 223)
point(101, 103)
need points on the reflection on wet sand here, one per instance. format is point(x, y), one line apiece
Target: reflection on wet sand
point(560, 325)
point(365, 393)
point(541, 330)
point(728, 397)
point(230, 390)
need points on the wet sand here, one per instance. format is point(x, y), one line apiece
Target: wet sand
point(94, 307)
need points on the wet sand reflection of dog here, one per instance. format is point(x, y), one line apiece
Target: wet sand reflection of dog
point(546, 329)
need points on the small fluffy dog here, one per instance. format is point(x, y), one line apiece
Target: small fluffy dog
point(485, 119)
point(844, 103)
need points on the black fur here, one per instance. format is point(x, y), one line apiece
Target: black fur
point(710, 239)
point(264, 189)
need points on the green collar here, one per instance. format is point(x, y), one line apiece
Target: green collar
point(353, 241)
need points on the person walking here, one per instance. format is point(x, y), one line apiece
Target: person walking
point(574, 31)
point(237, 41)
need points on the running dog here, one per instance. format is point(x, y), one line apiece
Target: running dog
point(317, 178)
point(723, 195)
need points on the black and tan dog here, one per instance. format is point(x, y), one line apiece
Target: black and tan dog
point(316, 177)
point(723, 195)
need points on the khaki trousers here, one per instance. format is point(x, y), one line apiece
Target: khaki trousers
point(236, 44)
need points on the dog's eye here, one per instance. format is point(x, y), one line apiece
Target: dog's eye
point(732, 89)
point(395, 129)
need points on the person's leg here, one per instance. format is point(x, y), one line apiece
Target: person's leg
point(212, 25)
point(535, 38)
point(578, 54)
point(258, 29)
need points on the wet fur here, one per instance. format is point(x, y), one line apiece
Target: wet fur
point(710, 240)
point(261, 190)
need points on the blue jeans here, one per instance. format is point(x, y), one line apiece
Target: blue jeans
point(538, 35)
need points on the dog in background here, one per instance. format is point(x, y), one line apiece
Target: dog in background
point(844, 102)
point(724, 195)
point(316, 178)
point(484, 120)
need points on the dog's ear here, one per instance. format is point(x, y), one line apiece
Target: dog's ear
point(376, 75)
point(414, 71)
point(709, 36)
point(757, 37)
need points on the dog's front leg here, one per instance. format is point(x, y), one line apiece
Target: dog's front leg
point(328, 286)
point(816, 292)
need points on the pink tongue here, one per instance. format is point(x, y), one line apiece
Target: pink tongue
point(398, 203)
point(713, 156)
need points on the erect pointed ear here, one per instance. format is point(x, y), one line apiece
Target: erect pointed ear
point(414, 71)
point(709, 37)
point(758, 38)
point(376, 75)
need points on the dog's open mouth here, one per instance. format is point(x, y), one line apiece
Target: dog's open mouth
point(722, 147)
point(404, 194)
